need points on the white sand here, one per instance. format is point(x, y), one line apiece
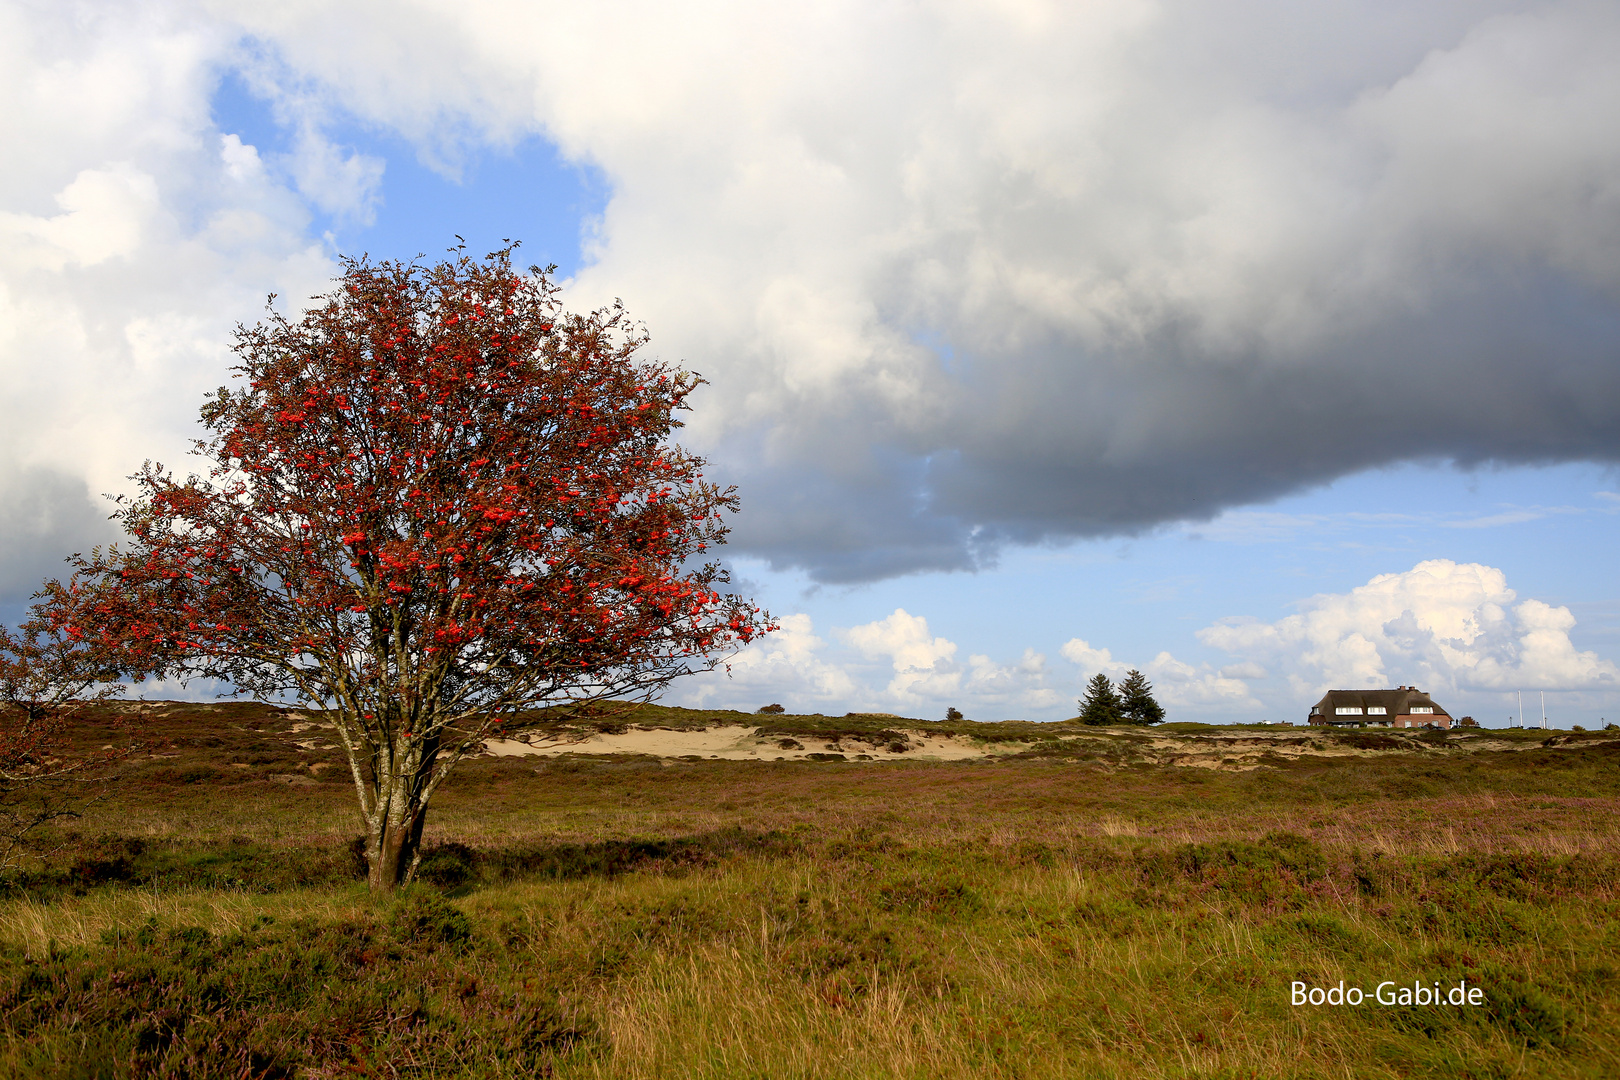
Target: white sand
point(733, 743)
point(1212, 750)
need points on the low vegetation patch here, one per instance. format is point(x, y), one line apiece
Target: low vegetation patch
point(400, 984)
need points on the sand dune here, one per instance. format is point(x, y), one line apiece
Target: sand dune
point(738, 743)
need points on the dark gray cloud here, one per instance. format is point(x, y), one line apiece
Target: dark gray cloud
point(1524, 372)
point(1112, 268)
point(45, 515)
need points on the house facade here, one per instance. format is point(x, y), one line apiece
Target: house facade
point(1402, 707)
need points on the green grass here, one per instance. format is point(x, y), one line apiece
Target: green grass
point(1039, 914)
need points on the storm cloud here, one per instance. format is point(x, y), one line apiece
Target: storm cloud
point(960, 274)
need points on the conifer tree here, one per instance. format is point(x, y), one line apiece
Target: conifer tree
point(1137, 705)
point(1101, 705)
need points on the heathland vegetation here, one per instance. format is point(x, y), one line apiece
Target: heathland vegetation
point(1073, 901)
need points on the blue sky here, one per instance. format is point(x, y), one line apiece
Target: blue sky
point(1089, 341)
point(524, 191)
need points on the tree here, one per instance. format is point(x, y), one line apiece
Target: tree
point(953, 715)
point(1101, 705)
point(434, 500)
point(50, 669)
point(1136, 702)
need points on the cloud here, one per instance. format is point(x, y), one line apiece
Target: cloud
point(342, 184)
point(132, 237)
point(1176, 683)
point(1445, 625)
point(915, 671)
point(925, 668)
point(904, 639)
point(960, 275)
point(44, 516)
point(983, 273)
point(786, 666)
point(1079, 652)
point(105, 211)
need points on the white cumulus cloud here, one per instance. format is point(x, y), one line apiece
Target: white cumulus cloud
point(1078, 651)
point(132, 239)
point(787, 667)
point(1177, 683)
point(891, 664)
point(926, 670)
point(1442, 624)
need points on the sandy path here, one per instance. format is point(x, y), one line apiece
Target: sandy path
point(735, 743)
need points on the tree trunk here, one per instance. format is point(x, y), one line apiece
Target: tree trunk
point(393, 850)
point(394, 798)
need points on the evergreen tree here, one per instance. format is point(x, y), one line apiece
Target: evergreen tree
point(1101, 705)
point(1136, 700)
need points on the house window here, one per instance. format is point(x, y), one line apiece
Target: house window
point(1375, 710)
point(1423, 708)
point(1348, 710)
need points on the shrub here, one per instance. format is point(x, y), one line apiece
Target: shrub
point(447, 865)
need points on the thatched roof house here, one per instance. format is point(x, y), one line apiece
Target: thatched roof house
point(1402, 707)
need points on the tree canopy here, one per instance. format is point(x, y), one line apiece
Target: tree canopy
point(433, 500)
point(1137, 704)
point(1101, 705)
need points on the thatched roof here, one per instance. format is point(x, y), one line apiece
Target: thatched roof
point(1396, 702)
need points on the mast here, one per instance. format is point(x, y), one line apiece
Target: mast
point(1521, 707)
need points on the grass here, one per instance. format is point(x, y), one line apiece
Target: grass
point(1035, 914)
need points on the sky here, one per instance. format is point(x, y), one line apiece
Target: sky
point(1264, 347)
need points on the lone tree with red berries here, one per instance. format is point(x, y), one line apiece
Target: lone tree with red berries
point(434, 500)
